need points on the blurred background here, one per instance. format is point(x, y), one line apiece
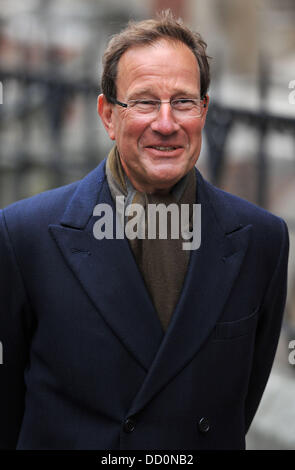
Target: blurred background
point(50, 133)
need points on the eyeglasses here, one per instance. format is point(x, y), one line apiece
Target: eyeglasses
point(182, 108)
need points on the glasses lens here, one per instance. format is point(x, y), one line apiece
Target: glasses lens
point(187, 107)
point(182, 108)
point(143, 106)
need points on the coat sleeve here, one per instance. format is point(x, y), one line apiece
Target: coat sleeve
point(268, 329)
point(15, 325)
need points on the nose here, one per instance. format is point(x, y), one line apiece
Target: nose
point(164, 123)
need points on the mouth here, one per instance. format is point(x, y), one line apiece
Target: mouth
point(163, 148)
point(158, 151)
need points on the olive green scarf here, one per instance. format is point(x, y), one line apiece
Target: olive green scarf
point(162, 262)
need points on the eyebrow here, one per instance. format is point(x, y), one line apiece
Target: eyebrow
point(147, 91)
point(139, 93)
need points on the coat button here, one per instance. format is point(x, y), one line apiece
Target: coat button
point(204, 425)
point(129, 425)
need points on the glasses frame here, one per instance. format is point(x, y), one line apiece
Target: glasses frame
point(126, 106)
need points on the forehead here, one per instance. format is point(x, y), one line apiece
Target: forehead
point(165, 66)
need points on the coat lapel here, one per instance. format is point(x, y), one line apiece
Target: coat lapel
point(107, 271)
point(108, 274)
point(212, 271)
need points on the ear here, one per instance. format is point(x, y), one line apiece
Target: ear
point(105, 111)
point(205, 110)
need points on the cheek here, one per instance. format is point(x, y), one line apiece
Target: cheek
point(133, 128)
point(194, 133)
point(136, 129)
point(194, 128)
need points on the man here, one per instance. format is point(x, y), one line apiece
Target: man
point(123, 342)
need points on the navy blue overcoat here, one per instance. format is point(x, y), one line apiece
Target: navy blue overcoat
point(86, 364)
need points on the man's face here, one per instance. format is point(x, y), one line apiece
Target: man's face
point(165, 70)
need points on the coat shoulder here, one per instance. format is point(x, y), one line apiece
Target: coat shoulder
point(227, 205)
point(269, 232)
point(47, 206)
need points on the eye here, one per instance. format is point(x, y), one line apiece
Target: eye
point(146, 103)
point(183, 104)
point(143, 105)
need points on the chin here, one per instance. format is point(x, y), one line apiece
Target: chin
point(165, 182)
point(169, 177)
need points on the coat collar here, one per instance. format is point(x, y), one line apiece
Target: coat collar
point(80, 208)
point(123, 300)
point(107, 271)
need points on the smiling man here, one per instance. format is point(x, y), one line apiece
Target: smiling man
point(123, 342)
point(158, 144)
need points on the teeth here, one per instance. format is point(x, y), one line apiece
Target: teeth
point(164, 148)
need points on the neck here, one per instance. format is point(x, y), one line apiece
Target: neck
point(150, 189)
